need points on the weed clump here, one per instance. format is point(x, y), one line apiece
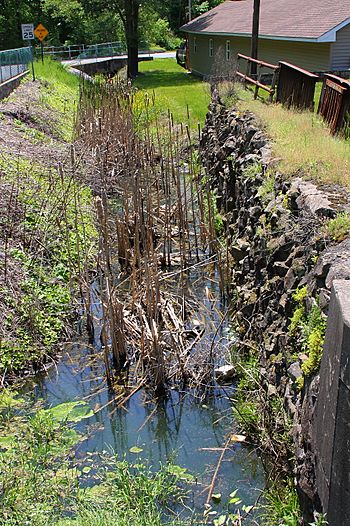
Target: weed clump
point(308, 330)
point(339, 227)
point(41, 485)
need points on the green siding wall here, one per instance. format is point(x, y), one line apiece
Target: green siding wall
point(341, 50)
point(311, 56)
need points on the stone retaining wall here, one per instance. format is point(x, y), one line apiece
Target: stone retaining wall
point(278, 239)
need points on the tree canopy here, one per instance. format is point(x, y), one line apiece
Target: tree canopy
point(96, 21)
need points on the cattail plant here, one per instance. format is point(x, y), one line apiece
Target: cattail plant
point(156, 223)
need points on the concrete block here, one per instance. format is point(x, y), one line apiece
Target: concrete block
point(331, 424)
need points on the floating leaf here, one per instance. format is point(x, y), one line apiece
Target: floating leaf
point(233, 498)
point(70, 411)
point(86, 469)
point(69, 438)
point(180, 473)
point(220, 521)
point(247, 509)
point(7, 442)
point(216, 497)
point(238, 438)
point(135, 449)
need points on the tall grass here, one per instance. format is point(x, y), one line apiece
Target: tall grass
point(60, 92)
point(54, 72)
point(301, 141)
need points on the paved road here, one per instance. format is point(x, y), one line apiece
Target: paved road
point(92, 60)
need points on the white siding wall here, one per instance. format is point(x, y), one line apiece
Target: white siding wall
point(341, 50)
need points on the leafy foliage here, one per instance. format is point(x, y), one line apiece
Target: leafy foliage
point(36, 476)
point(281, 506)
point(48, 235)
point(34, 320)
point(90, 21)
point(308, 330)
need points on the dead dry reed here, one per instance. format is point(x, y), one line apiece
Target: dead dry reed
point(155, 225)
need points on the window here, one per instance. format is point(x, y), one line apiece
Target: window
point(195, 44)
point(228, 50)
point(211, 47)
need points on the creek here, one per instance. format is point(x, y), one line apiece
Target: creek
point(156, 307)
point(183, 427)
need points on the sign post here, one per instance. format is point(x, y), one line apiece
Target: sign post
point(28, 34)
point(41, 33)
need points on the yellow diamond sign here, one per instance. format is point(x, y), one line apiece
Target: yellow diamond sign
point(41, 32)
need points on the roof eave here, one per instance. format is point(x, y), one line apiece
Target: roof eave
point(331, 35)
point(248, 35)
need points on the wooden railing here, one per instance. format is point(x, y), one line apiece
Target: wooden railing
point(257, 81)
point(296, 86)
point(335, 102)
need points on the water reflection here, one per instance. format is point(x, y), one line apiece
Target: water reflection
point(179, 428)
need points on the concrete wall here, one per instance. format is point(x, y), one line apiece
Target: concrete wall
point(7, 87)
point(311, 56)
point(105, 66)
point(331, 427)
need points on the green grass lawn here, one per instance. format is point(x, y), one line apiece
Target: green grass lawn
point(175, 90)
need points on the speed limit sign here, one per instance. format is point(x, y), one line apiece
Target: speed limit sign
point(27, 31)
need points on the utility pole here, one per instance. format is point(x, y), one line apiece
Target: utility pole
point(189, 10)
point(255, 35)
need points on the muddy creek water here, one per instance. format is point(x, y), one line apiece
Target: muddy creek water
point(181, 428)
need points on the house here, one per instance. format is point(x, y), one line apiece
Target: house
point(313, 34)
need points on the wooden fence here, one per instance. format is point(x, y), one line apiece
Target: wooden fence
point(261, 66)
point(335, 102)
point(295, 87)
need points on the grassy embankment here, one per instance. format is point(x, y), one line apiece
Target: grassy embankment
point(175, 90)
point(301, 141)
point(46, 219)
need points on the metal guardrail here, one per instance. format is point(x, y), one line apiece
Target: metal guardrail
point(13, 62)
point(334, 103)
point(257, 81)
point(296, 86)
point(67, 52)
point(81, 51)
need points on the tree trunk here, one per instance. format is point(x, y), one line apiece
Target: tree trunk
point(132, 35)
